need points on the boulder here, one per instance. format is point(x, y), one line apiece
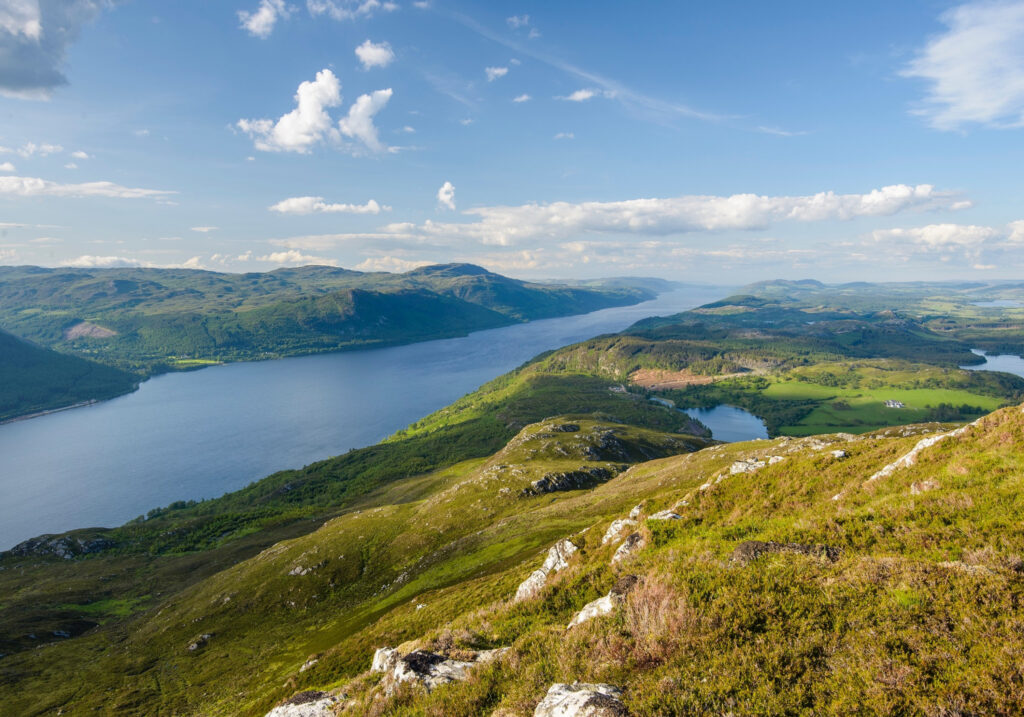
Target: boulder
point(581, 700)
point(633, 543)
point(617, 528)
point(840, 454)
point(426, 668)
point(751, 550)
point(557, 559)
point(306, 704)
point(637, 510)
point(747, 465)
point(604, 605)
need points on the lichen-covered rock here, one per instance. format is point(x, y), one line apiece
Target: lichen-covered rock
point(581, 700)
point(200, 642)
point(923, 486)
point(66, 547)
point(306, 704)
point(633, 543)
point(557, 559)
point(751, 550)
point(426, 668)
point(571, 480)
point(665, 515)
point(604, 605)
point(617, 528)
point(637, 510)
point(747, 465)
point(840, 454)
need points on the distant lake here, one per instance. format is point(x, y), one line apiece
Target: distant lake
point(729, 423)
point(1007, 363)
point(1000, 303)
point(201, 434)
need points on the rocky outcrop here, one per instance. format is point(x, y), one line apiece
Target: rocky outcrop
point(633, 543)
point(306, 704)
point(617, 528)
point(581, 700)
point(571, 480)
point(426, 668)
point(636, 512)
point(747, 465)
point(665, 515)
point(557, 559)
point(751, 550)
point(200, 642)
point(62, 546)
point(604, 605)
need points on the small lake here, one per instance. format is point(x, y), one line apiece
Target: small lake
point(999, 304)
point(201, 434)
point(1007, 363)
point(728, 423)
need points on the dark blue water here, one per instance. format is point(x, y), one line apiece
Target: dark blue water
point(728, 423)
point(200, 434)
point(1007, 363)
point(1000, 303)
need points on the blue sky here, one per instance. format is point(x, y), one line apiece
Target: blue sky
point(700, 141)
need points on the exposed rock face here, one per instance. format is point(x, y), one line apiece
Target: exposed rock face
point(604, 605)
point(565, 428)
point(571, 480)
point(557, 559)
point(617, 528)
point(633, 543)
point(840, 454)
point(306, 704)
point(426, 668)
point(63, 546)
point(923, 486)
point(747, 465)
point(665, 515)
point(637, 510)
point(581, 700)
point(751, 550)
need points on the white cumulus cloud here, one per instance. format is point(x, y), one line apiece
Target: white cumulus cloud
point(293, 257)
point(494, 73)
point(317, 205)
point(348, 9)
point(204, 230)
point(446, 195)
point(305, 126)
point(940, 237)
point(79, 154)
point(90, 261)
point(375, 54)
point(7, 167)
point(522, 98)
point(392, 264)
point(35, 187)
point(578, 96)
point(359, 122)
point(260, 22)
point(974, 70)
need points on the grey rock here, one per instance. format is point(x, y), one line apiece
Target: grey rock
point(557, 559)
point(306, 704)
point(924, 486)
point(665, 515)
point(617, 528)
point(633, 543)
point(581, 700)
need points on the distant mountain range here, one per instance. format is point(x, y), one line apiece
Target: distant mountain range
point(147, 321)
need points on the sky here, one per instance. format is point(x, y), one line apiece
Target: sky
point(710, 142)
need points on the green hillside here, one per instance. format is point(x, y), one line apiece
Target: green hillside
point(34, 379)
point(872, 571)
point(150, 320)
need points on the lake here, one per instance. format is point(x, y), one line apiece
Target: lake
point(1007, 363)
point(729, 423)
point(201, 434)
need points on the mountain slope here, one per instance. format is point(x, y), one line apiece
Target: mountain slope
point(156, 319)
point(35, 379)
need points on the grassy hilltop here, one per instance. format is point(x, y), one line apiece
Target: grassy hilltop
point(886, 576)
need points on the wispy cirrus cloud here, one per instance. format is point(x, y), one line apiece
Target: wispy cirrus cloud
point(974, 71)
point(36, 187)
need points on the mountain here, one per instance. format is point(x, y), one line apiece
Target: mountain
point(34, 379)
point(146, 321)
point(151, 320)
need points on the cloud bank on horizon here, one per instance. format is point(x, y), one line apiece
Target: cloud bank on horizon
point(262, 133)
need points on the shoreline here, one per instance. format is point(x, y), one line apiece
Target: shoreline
point(47, 412)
